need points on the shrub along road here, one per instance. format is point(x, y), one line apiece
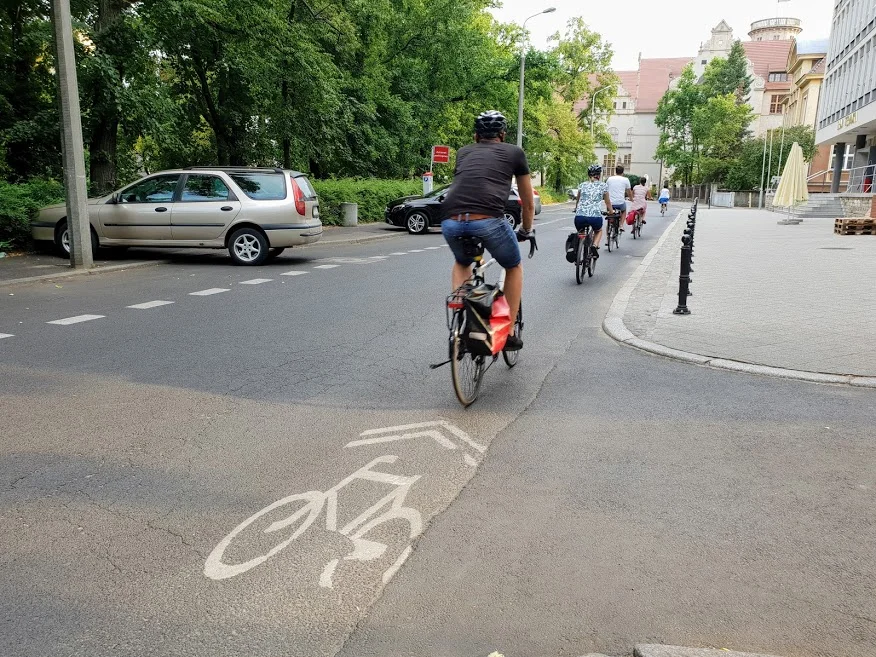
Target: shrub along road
point(203, 459)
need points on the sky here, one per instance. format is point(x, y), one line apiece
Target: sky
point(673, 28)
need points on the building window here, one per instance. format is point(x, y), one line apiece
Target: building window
point(624, 105)
point(608, 162)
point(704, 62)
point(778, 77)
point(848, 157)
point(615, 104)
point(776, 104)
point(628, 159)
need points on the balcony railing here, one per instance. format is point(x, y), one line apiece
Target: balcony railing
point(775, 22)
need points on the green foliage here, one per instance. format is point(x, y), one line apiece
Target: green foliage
point(728, 76)
point(744, 173)
point(371, 194)
point(550, 196)
point(19, 204)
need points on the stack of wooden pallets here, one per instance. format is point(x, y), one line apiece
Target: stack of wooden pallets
point(855, 226)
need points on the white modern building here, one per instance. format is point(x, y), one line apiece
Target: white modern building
point(847, 103)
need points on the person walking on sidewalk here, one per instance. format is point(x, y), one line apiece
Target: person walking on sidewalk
point(619, 191)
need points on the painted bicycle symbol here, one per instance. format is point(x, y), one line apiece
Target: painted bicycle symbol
point(305, 508)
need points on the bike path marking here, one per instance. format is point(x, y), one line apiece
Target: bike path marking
point(400, 432)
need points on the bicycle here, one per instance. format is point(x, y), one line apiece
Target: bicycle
point(467, 364)
point(584, 260)
point(663, 208)
point(612, 230)
point(637, 224)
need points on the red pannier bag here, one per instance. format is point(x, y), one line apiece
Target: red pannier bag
point(488, 320)
point(631, 218)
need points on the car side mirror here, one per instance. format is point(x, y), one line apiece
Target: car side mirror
point(114, 199)
point(442, 197)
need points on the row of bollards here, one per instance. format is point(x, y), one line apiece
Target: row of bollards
point(687, 244)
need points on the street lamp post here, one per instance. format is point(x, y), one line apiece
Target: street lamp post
point(593, 109)
point(522, 67)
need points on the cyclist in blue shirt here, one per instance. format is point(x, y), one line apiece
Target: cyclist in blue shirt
point(592, 198)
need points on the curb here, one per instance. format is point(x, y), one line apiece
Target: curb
point(613, 325)
point(82, 272)
point(150, 263)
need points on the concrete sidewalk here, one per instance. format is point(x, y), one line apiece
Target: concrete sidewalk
point(793, 297)
point(45, 265)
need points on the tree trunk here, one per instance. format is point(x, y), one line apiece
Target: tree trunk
point(287, 143)
point(103, 145)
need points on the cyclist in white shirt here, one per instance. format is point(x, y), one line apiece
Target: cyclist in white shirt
point(619, 191)
point(664, 197)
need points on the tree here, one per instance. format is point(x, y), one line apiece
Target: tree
point(678, 146)
point(729, 76)
point(716, 127)
point(745, 172)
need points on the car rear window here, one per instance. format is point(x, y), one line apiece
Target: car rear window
point(306, 187)
point(261, 186)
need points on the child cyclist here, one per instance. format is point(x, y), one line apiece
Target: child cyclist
point(592, 198)
point(664, 197)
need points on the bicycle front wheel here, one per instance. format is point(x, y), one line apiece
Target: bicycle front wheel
point(466, 369)
point(511, 357)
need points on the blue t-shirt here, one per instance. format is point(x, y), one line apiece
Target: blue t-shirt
point(591, 203)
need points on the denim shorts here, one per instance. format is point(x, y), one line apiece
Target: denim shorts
point(594, 222)
point(496, 234)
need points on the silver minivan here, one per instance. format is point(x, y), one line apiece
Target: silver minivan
point(254, 213)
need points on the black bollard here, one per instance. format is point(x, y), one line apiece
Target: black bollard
point(684, 278)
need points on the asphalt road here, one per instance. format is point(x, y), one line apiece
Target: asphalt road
point(273, 469)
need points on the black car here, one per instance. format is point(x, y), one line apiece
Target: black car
point(419, 213)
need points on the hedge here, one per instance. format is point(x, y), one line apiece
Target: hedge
point(372, 195)
point(19, 205)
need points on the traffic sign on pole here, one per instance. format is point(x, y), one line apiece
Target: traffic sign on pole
point(440, 154)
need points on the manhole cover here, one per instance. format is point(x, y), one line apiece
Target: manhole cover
point(836, 248)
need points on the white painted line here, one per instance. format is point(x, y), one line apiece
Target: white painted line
point(325, 579)
point(435, 435)
point(470, 460)
point(398, 253)
point(293, 273)
point(206, 293)
point(150, 304)
point(432, 248)
point(326, 266)
point(256, 281)
point(393, 569)
point(75, 320)
point(415, 251)
point(6, 335)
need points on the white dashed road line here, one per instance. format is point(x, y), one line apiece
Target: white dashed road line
point(150, 304)
point(6, 335)
point(415, 251)
point(432, 248)
point(398, 253)
point(326, 266)
point(206, 293)
point(293, 273)
point(256, 281)
point(75, 320)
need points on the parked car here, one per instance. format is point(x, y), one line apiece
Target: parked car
point(419, 213)
point(536, 198)
point(254, 213)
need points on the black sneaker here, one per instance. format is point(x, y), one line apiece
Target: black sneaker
point(513, 343)
point(622, 230)
point(594, 252)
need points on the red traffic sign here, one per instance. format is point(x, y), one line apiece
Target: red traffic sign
point(441, 154)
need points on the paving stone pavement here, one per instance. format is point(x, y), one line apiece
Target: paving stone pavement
point(796, 297)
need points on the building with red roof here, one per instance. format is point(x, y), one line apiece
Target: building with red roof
point(632, 125)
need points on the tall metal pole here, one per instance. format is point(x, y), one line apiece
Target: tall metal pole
point(762, 173)
point(593, 109)
point(522, 72)
point(71, 139)
point(770, 163)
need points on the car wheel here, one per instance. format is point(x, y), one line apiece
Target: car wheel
point(273, 253)
point(512, 219)
point(417, 222)
point(62, 240)
point(248, 246)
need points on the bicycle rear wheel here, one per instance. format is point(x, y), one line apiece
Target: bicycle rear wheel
point(610, 231)
point(579, 261)
point(511, 357)
point(466, 369)
point(591, 262)
point(616, 233)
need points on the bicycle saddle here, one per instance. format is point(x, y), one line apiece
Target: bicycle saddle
point(472, 246)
